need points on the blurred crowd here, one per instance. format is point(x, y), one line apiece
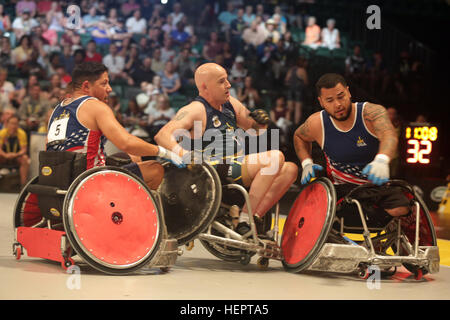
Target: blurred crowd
point(152, 50)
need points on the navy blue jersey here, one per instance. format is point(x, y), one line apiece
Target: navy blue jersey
point(219, 141)
point(66, 133)
point(348, 152)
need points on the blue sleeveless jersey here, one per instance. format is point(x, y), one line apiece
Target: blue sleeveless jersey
point(219, 143)
point(347, 153)
point(66, 133)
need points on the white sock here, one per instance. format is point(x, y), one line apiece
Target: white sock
point(243, 217)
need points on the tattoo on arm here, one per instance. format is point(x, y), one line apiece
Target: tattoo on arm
point(377, 118)
point(304, 131)
point(180, 115)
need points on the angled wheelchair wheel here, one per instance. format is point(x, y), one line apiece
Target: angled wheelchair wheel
point(26, 209)
point(191, 198)
point(427, 233)
point(308, 225)
point(112, 220)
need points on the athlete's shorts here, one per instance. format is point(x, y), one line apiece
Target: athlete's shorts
point(374, 202)
point(231, 172)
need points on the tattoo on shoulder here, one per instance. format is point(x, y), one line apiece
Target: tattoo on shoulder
point(180, 115)
point(304, 129)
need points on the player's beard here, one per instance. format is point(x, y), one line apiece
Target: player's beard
point(346, 114)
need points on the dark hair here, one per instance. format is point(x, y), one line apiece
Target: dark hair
point(328, 81)
point(90, 71)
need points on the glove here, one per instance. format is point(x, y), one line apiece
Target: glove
point(170, 156)
point(309, 169)
point(260, 116)
point(378, 169)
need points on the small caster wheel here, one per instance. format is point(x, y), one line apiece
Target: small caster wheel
point(18, 252)
point(262, 263)
point(67, 263)
point(418, 274)
point(363, 273)
point(164, 269)
point(245, 259)
point(190, 245)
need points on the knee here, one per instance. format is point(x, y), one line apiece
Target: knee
point(290, 170)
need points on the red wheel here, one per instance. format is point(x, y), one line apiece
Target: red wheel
point(418, 274)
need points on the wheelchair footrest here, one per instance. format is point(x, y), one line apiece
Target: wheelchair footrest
point(42, 243)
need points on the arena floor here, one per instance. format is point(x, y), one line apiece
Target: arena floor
point(198, 275)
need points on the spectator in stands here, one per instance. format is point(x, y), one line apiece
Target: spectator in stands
point(91, 19)
point(13, 147)
point(6, 89)
point(79, 56)
point(378, 74)
point(228, 56)
point(6, 113)
point(185, 66)
point(281, 117)
point(146, 9)
point(22, 52)
point(176, 15)
point(43, 6)
point(226, 17)
point(136, 23)
point(143, 73)
point(312, 34)
point(114, 104)
point(265, 51)
point(101, 8)
point(65, 77)
point(213, 47)
point(128, 7)
point(53, 63)
point(237, 27)
point(91, 52)
point(55, 17)
point(112, 17)
point(100, 34)
point(157, 63)
point(254, 35)
point(134, 119)
point(160, 115)
point(249, 16)
point(260, 12)
point(296, 81)
point(271, 30)
point(280, 25)
point(248, 95)
point(23, 91)
point(238, 73)
point(67, 59)
point(355, 65)
point(5, 21)
point(330, 36)
point(115, 64)
point(167, 26)
point(167, 51)
point(207, 16)
point(32, 66)
point(154, 37)
point(170, 80)
point(156, 20)
point(5, 52)
point(26, 6)
point(33, 109)
point(188, 27)
point(23, 24)
point(179, 36)
point(132, 62)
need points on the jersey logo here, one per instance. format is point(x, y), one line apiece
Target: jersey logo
point(360, 142)
point(216, 121)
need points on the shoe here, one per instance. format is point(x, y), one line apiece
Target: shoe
point(242, 228)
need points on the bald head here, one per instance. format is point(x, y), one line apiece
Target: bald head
point(212, 83)
point(206, 73)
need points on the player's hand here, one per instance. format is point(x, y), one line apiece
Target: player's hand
point(309, 170)
point(193, 157)
point(170, 156)
point(378, 170)
point(260, 116)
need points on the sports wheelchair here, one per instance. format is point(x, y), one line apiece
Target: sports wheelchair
point(315, 235)
point(105, 215)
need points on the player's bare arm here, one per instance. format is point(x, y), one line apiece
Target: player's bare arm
point(107, 123)
point(183, 120)
point(378, 122)
point(306, 134)
point(243, 118)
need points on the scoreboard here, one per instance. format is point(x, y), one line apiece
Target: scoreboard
point(421, 145)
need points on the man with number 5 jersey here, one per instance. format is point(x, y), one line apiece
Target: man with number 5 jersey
point(358, 141)
point(83, 122)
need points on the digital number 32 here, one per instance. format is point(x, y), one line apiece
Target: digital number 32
point(417, 154)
